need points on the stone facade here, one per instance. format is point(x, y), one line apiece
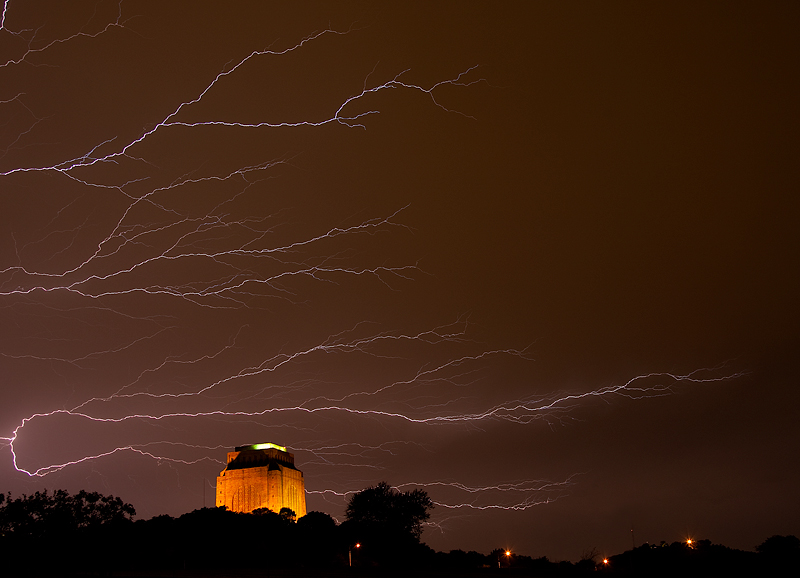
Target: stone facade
point(261, 476)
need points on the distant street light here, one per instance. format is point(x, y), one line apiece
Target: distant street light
point(350, 552)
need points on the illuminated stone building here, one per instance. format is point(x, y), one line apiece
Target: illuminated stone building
point(261, 476)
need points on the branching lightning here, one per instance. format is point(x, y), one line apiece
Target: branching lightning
point(518, 495)
point(166, 251)
point(29, 36)
point(518, 411)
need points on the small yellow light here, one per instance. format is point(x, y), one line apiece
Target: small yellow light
point(605, 560)
point(508, 552)
point(358, 545)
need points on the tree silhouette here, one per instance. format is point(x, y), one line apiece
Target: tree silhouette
point(288, 514)
point(387, 522)
point(72, 529)
point(780, 554)
point(318, 540)
point(42, 514)
point(382, 507)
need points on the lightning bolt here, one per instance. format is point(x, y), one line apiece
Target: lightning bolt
point(194, 240)
point(517, 495)
point(516, 411)
point(30, 51)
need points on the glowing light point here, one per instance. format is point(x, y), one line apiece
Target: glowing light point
point(350, 553)
point(267, 446)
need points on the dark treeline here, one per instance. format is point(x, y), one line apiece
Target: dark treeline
point(87, 533)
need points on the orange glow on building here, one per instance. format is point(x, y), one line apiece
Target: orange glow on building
point(261, 476)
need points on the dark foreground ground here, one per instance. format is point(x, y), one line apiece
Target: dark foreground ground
point(321, 573)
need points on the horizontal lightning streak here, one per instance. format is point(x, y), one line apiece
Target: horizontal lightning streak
point(515, 412)
point(536, 493)
point(183, 237)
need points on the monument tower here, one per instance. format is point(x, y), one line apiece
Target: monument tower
point(261, 476)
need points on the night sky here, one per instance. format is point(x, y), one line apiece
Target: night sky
point(540, 260)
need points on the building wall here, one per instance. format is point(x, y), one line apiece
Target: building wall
point(273, 486)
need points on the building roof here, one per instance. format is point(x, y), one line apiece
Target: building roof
point(267, 455)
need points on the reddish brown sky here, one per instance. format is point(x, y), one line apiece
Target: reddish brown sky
point(463, 294)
